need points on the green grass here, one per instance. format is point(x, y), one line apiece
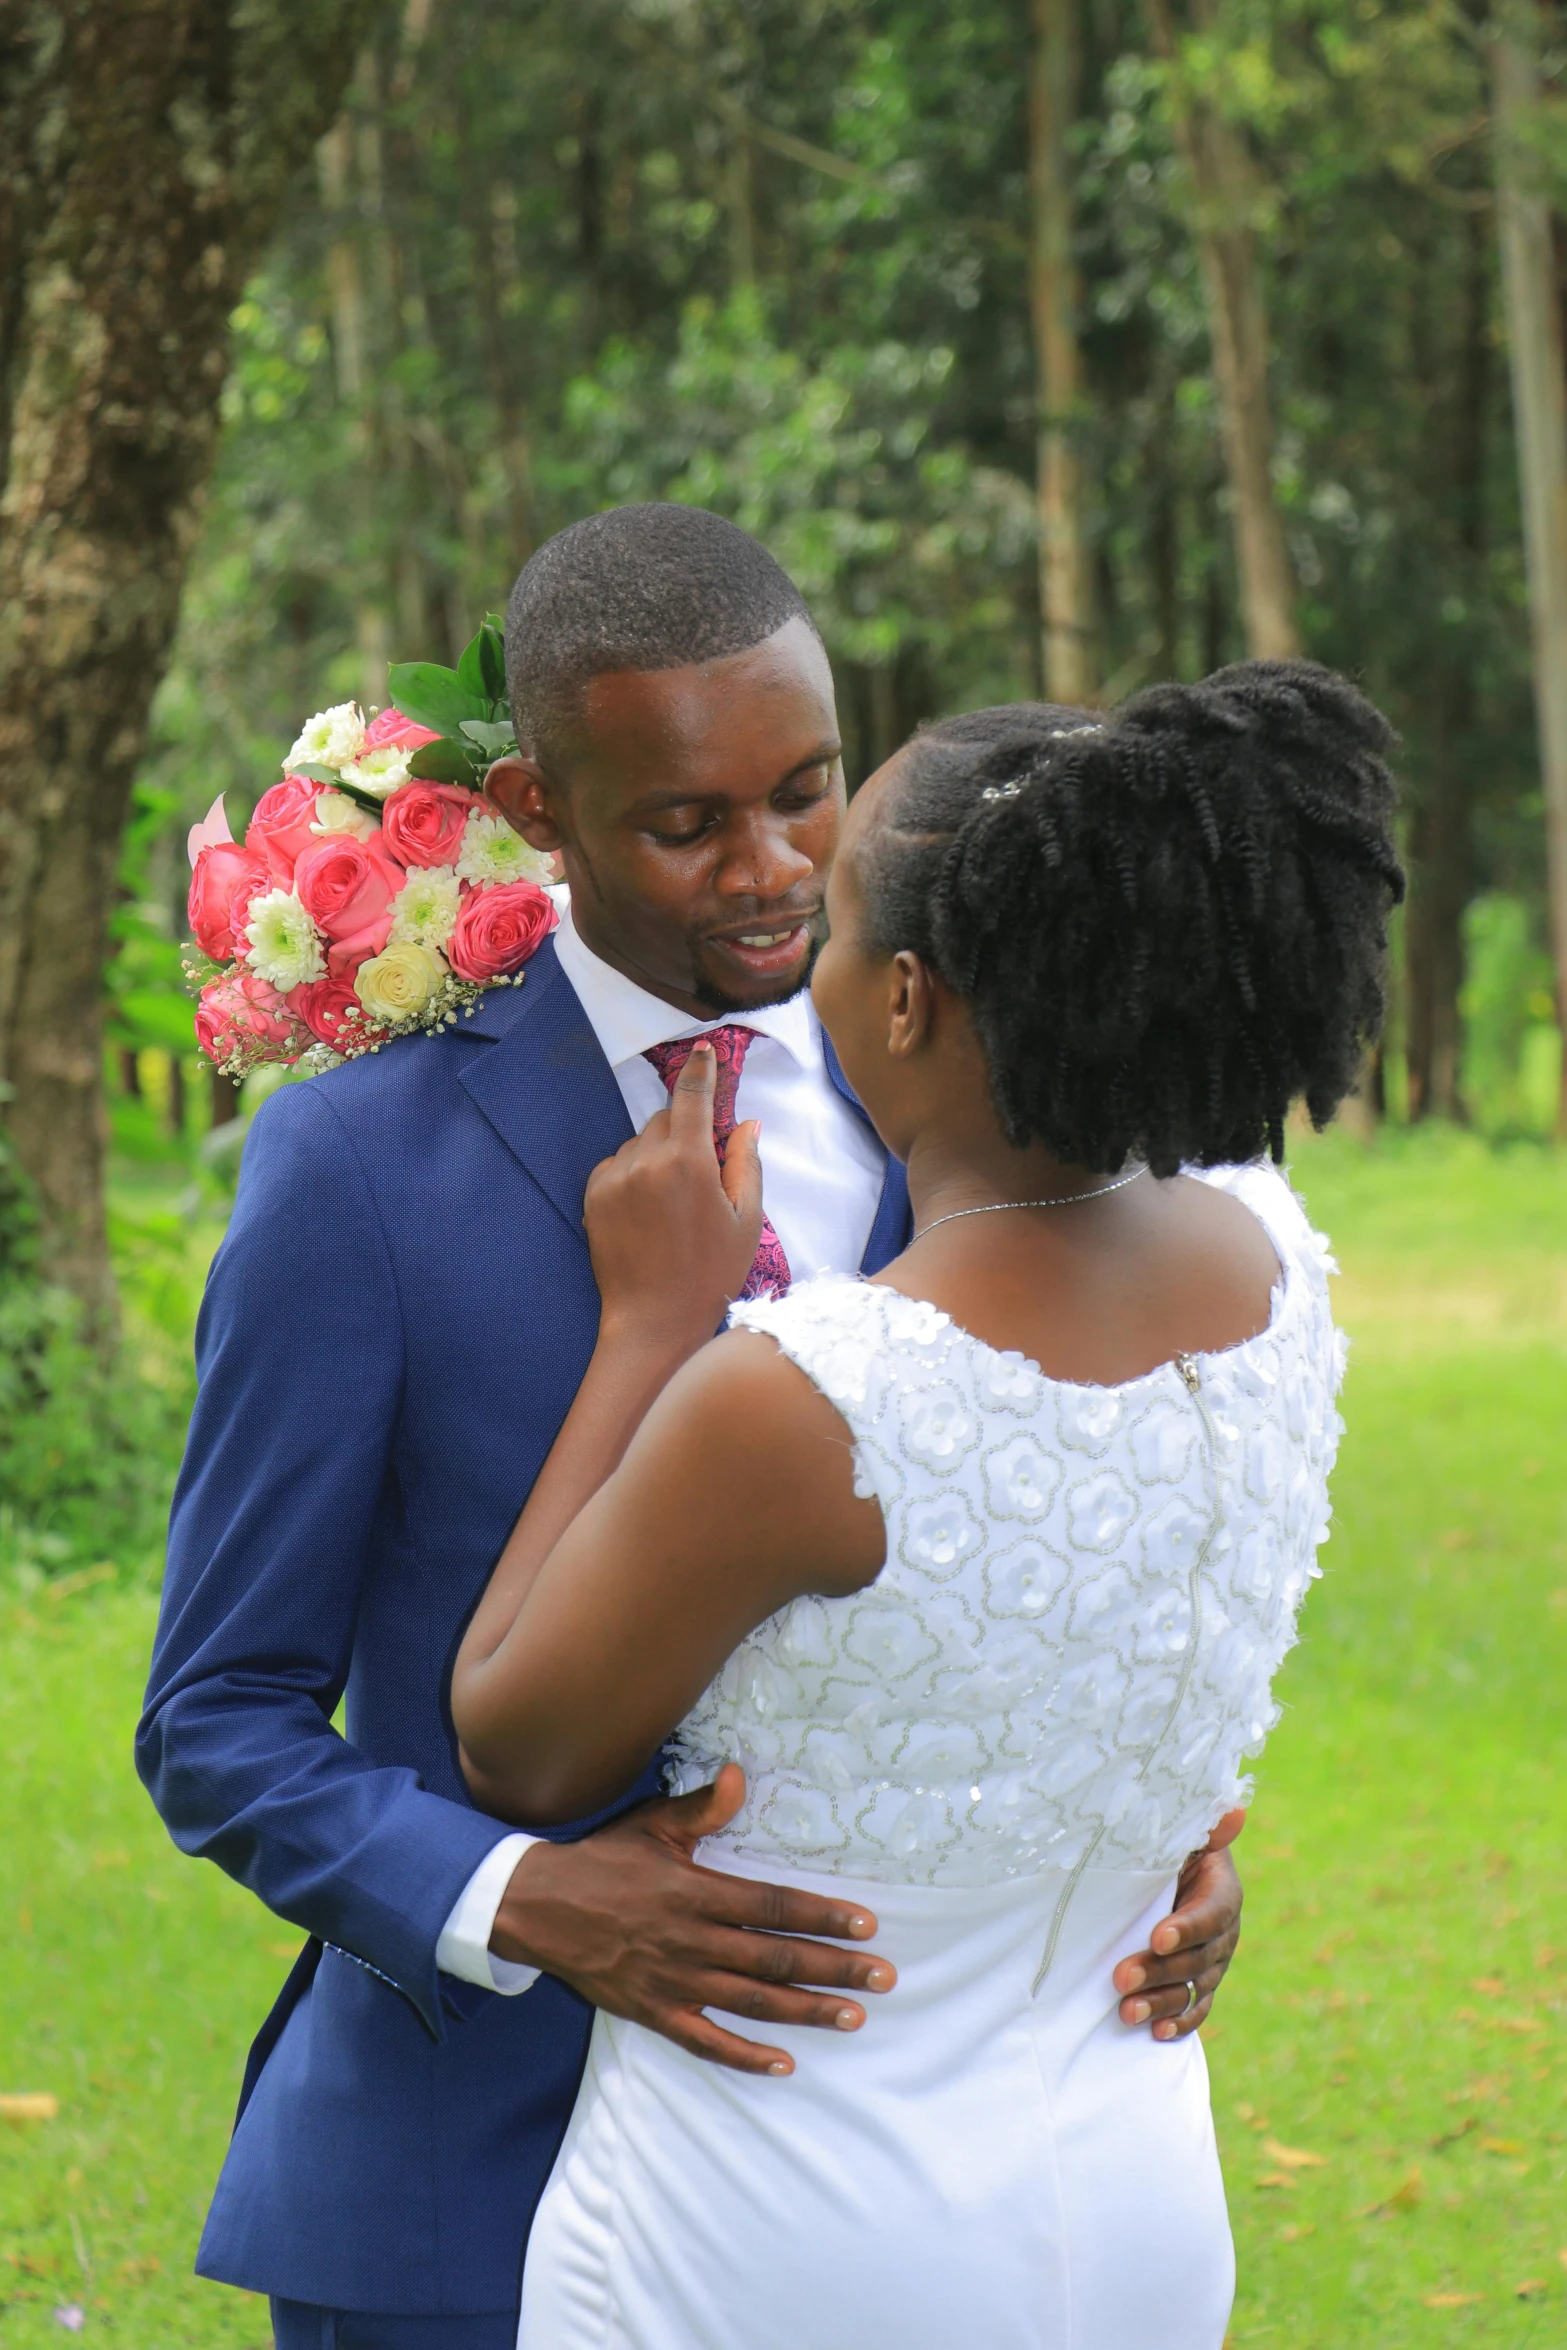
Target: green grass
point(1399, 2008)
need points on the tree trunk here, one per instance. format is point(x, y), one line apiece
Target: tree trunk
point(144, 154)
point(1534, 336)
point(1441, 833)
point(1055, 79)
point(1219, 177)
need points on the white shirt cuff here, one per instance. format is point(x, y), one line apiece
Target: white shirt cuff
point(464, 1948)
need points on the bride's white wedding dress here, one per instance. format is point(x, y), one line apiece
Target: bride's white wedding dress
point(1006, 1746)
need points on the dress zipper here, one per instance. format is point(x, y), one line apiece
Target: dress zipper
point(1189, 1372)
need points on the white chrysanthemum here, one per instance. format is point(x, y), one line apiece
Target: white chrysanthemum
point(425, 908)
point(285, 949)
point(331, 738)
point(380, 773)
point(400, 982)
point(492, 852)
point(336, 812)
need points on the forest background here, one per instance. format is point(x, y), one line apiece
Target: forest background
point(1053, 345)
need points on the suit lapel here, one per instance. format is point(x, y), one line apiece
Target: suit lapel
point(891, 1228)
point(544, 1084)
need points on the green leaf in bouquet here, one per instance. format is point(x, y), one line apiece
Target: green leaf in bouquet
point(313, 772)
point(434, 697)
point(444, 762)
point(493, 740)
point(492, 660)
point(361, 799)
point(470, 672)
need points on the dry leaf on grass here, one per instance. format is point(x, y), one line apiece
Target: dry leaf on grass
point(1450, 2300)
point(1504, 2146)
point(29, 2106)
point(1277, 2178)
point(1530, 2289)
point(1294, 2157)
point(1408, 2197)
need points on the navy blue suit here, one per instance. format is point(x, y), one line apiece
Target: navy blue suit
point(393, 1331)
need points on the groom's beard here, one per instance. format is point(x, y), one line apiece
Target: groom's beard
point(717, 1000)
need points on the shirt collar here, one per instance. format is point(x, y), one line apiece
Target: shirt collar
point(626, 1019)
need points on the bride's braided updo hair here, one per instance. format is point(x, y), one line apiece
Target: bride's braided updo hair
point(1169, 923)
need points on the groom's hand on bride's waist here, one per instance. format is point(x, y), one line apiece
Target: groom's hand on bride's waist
point(1171, 1986)
point(627, 1918)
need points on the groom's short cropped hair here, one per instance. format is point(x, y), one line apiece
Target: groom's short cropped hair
point(641, 587)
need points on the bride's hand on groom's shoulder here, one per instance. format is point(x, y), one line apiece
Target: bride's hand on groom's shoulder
point(672, 1234)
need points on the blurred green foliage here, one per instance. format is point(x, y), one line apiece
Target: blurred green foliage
point(774, 258)
point(89, 1433)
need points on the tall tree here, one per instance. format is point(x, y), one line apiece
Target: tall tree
point(144, 153)
point(1219, 174)
point(1534, 338)
point(1443, 786)
point(1054, 94)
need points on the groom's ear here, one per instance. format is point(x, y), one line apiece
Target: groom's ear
point(519, 788)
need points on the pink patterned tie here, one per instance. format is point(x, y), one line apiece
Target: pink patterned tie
point(769, 1274)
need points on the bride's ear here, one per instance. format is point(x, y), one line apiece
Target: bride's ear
point(911, 1005)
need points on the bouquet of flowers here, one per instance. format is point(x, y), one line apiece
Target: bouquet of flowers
point(375, 892)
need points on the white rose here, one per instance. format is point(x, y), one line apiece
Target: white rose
point(399, 983)
point(285, 948)
point(336, 812)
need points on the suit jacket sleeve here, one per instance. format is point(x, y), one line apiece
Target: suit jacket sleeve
point(299, 1353)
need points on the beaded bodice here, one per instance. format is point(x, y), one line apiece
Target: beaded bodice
point(1087, 1592)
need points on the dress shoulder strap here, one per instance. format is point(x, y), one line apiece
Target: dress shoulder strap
point(867, 1348)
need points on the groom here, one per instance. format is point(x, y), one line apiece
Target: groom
point(392, 1334)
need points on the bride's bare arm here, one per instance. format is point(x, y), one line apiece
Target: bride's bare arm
point(655, 1538)
point(735, 1495)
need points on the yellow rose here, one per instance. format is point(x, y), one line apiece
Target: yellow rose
point(398, 984)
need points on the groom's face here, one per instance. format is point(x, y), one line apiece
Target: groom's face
point(697, 815)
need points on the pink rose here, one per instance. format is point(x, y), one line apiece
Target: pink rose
point(280, 829)
point(323, 1004)
point(236, 1013)
point(346, 886)
point(498, 929)
point(423, 822)
point(392, 731)
point(226, 878)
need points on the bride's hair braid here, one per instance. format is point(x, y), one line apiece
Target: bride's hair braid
point(1169, 923)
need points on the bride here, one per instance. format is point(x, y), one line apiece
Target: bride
point(981, 1570)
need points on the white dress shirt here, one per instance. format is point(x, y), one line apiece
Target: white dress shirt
point(822, 1175)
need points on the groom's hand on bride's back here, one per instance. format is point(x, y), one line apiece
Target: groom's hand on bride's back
point(627, 1918)
point(1191, 1949)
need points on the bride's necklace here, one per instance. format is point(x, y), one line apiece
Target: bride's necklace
point(1068, 1200)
